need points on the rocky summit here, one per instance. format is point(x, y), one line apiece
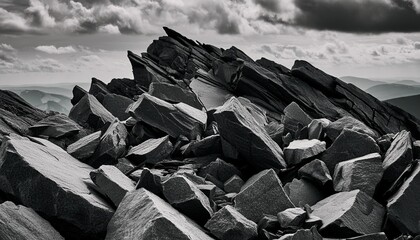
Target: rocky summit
point(206, 143)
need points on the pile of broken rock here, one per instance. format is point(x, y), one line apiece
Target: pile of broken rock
point(206, 143)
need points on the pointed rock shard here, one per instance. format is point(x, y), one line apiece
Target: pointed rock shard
point(299, 150)
point(19, 222)
point(238, 127)
point(85, 147)
point(98, 89)
point(316, 171)
point(397, 158)
point(112, 182)
point(112, 145)
point(89, 112)
point(295, 118)
point(335, 128)
point(303, 234)
point(315, 129)
point(143, 216)
point(362, 173)
point(348, 145)
point(183, 195)
point(403, 207)
point(78, 94)
point(262, 194)
point(151, 151)
point(151, 180)
point(174, 119)
point(117, 105)
point(206, 146)
point(174, 94)
point(229, 224)
point(349, 214)
point(53, 183)
point(55, 126)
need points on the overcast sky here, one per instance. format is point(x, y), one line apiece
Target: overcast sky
point(49, 41)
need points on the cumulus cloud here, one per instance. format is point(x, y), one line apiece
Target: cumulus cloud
point(51, 49)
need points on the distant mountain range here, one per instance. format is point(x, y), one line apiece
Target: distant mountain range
point(409, 104)
point(389, 91)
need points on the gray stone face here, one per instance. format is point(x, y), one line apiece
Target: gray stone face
point(219, 169)
point(262, 194)
point(54, 183)
point(19, 222)
point(174, 119)
point(397, 158)
point(292, 217)
point(143, 216)
point(229, 224)
point(403, 207)
point(235, 122)
point(362, 173)
point(85, 147)
point(234, 184)
point(183, 195)
point(315, 171)
point(151, 151)
point(302, 192)
point(89, 112)
point(349, 214)
point(335, 128)
point(348, 145)
point(112, 182)
point(55, 126)
point(117, 105)
point(299, 150)
point(175, 94)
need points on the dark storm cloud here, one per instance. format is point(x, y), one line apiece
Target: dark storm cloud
point(368, 16)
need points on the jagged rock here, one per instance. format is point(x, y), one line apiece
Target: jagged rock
point(292, 217)
point(55, 126)
point(362, 173)
point(262, 194)
point(89, 112)
point(85, 147)
point(206, 146)
point(316, 129)
point(315, 171)
point(303, 234)
point(349, 214)
point(229, 224)
point(403, 208)
point(16, 115)
point(235, 122)
point(348, 145)
point(293, 113)
point(174, 119)
point(174, 94)
point(112, 145)
point(19, 222)
point(301, 192)
point(151, 151)
point(143, 216)
point(234, 184)
point(117, 105)
point(258, 113)
point(125, 87)
point(335, 128)
point(385, 142)
point(397, 158)
point(78, 94)
point(183, 195)
point(299, 150)
point(112, 182)
point(152, 179)
point(219, 169)
point(52, 182)
point(98, 89)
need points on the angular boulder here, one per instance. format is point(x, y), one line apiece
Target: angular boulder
point(348, 145)
point(219, 169)
point(19, 222)
point(302, 192)
point(262, 194)
point(299, 150)
point(362, 173)
point(117, 105)
point(89, 112)
point(174, 94)
point(183, 195)
point(315, 171)
point(235, 122)
point(142, 215)
point(398, 157)
point(151, 151)
point(229, 224)
point(85, 147)
point(174, 119)
point(52, 182)
point(349, 214)
point(335, 128)
point(55, 126)
point(233, 184)
point(112, 182)
point(292, 217)
point(78, 94)
point(151, 180)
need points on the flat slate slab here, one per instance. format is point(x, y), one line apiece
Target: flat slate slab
point(299, 150)
point(151, 151)
point(143, 216)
